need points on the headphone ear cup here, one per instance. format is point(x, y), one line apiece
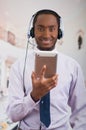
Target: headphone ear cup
point(60, 34)
point(32, 32)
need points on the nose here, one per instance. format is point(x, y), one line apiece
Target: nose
point(46, 33)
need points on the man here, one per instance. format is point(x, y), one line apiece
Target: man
point(66, 87)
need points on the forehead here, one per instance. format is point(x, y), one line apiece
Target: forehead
point(46, 19)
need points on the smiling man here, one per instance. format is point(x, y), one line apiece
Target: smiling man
point(66, 88)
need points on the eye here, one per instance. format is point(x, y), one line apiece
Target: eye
point(51, 29)
point(40, 29)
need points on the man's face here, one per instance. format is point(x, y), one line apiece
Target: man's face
point(46, 31)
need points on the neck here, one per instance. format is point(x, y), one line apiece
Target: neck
point(46, 49)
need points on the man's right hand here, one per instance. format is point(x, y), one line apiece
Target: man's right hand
point(42, 85)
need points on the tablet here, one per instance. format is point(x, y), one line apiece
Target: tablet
point(47, 58)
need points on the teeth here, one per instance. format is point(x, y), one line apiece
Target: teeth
point(46, 40)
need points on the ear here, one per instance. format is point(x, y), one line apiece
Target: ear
point(32, 32)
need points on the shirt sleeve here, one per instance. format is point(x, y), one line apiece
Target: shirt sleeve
point(77, 101)
point(18, 105)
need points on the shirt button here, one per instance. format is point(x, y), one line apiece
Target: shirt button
point(42, 102)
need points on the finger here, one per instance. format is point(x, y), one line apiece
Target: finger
point(43, 70)
point(55, 77)
point(52, 81)
point(53, 84)
point(33, 76)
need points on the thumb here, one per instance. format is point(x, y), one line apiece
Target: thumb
point(33, 76)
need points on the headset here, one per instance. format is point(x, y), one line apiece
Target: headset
point(34, 18)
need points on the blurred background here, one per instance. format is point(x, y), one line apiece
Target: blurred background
point(15, 18)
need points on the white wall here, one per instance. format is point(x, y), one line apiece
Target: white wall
point(70, 44)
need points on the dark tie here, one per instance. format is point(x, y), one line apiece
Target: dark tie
point(45, 110)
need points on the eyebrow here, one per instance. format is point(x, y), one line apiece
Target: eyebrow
point(46, 26)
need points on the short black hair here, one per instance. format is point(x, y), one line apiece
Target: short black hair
point(46, 11)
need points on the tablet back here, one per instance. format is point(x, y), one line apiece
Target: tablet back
point(49, 60)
